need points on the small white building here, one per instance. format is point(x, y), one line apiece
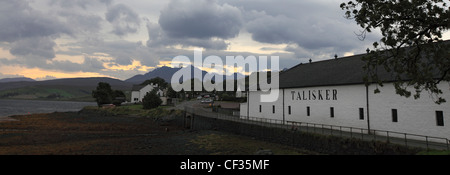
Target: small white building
point(333, 92)
point(240, 93)
point(139, 91)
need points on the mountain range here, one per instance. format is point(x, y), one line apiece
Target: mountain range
point(80, 89)
point(166, 73)
point(5, 80)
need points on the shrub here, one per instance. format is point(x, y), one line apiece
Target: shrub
point(151, 100)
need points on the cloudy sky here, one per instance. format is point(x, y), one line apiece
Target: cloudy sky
point(47, 39)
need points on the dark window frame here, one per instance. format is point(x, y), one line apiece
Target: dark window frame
point(361, 113)
point(394, 113)
point(439, 118)
point(332, 112)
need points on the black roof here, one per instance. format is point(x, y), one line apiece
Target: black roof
point(137, 87)
point(340, 71)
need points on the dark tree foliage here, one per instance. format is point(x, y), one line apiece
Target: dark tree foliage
point(157, 80)
point(171, 93)
point(151, 100)
point(118, 97)
point(411, 48)
point(105, 95)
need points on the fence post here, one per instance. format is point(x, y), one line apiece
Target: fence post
point(184, 118)
point(314, 128)
point(192, 120)
point(351, 132)
point(406, 141)
point(426, 140)
point(307, 127)
point(362, 134)
point(447, 144)
point(387, 134)
point(374, 135)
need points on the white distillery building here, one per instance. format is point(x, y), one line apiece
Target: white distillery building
point(139, 91)
point(332, 92)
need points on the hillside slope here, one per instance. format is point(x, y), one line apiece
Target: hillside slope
point(74, 89)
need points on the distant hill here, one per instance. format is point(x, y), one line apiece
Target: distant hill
point(162, 72)
point(166, 73)
point(78, 89)
point(18, 79)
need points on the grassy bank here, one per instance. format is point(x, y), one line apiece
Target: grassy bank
point(136, 110)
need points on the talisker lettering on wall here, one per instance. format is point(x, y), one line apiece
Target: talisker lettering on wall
point(328, 94)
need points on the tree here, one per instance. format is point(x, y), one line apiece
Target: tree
point(151, 100)
point(411, 47)
point(157, 80)
point(171, 93)
point(103, 94)
point(118, 97)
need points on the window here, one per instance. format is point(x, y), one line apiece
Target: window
point(439, 118)
point(289, 110)
point(361, 113)
point(308, 111)
point(332, 112)
point(260, 108)
point(273, 109)
point(394, 115)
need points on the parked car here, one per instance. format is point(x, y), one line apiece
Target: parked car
point(206, 100)
point(199, 97)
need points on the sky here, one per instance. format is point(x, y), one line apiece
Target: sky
point(49, 39)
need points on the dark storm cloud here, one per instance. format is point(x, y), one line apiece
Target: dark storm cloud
point(38, 47)
point(78, 3)
point(310, 29)
point(123, 19)
point(18, 20)
point(201, 19)
point(158, 38)
point(90, 64)
point(81, 22)
point(307, 29)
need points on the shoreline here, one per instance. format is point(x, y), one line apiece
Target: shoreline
point(7, 119)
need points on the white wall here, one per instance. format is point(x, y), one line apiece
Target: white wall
point(414, 116)
point(135, 94)
point(144, 91)
point(141, 93)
